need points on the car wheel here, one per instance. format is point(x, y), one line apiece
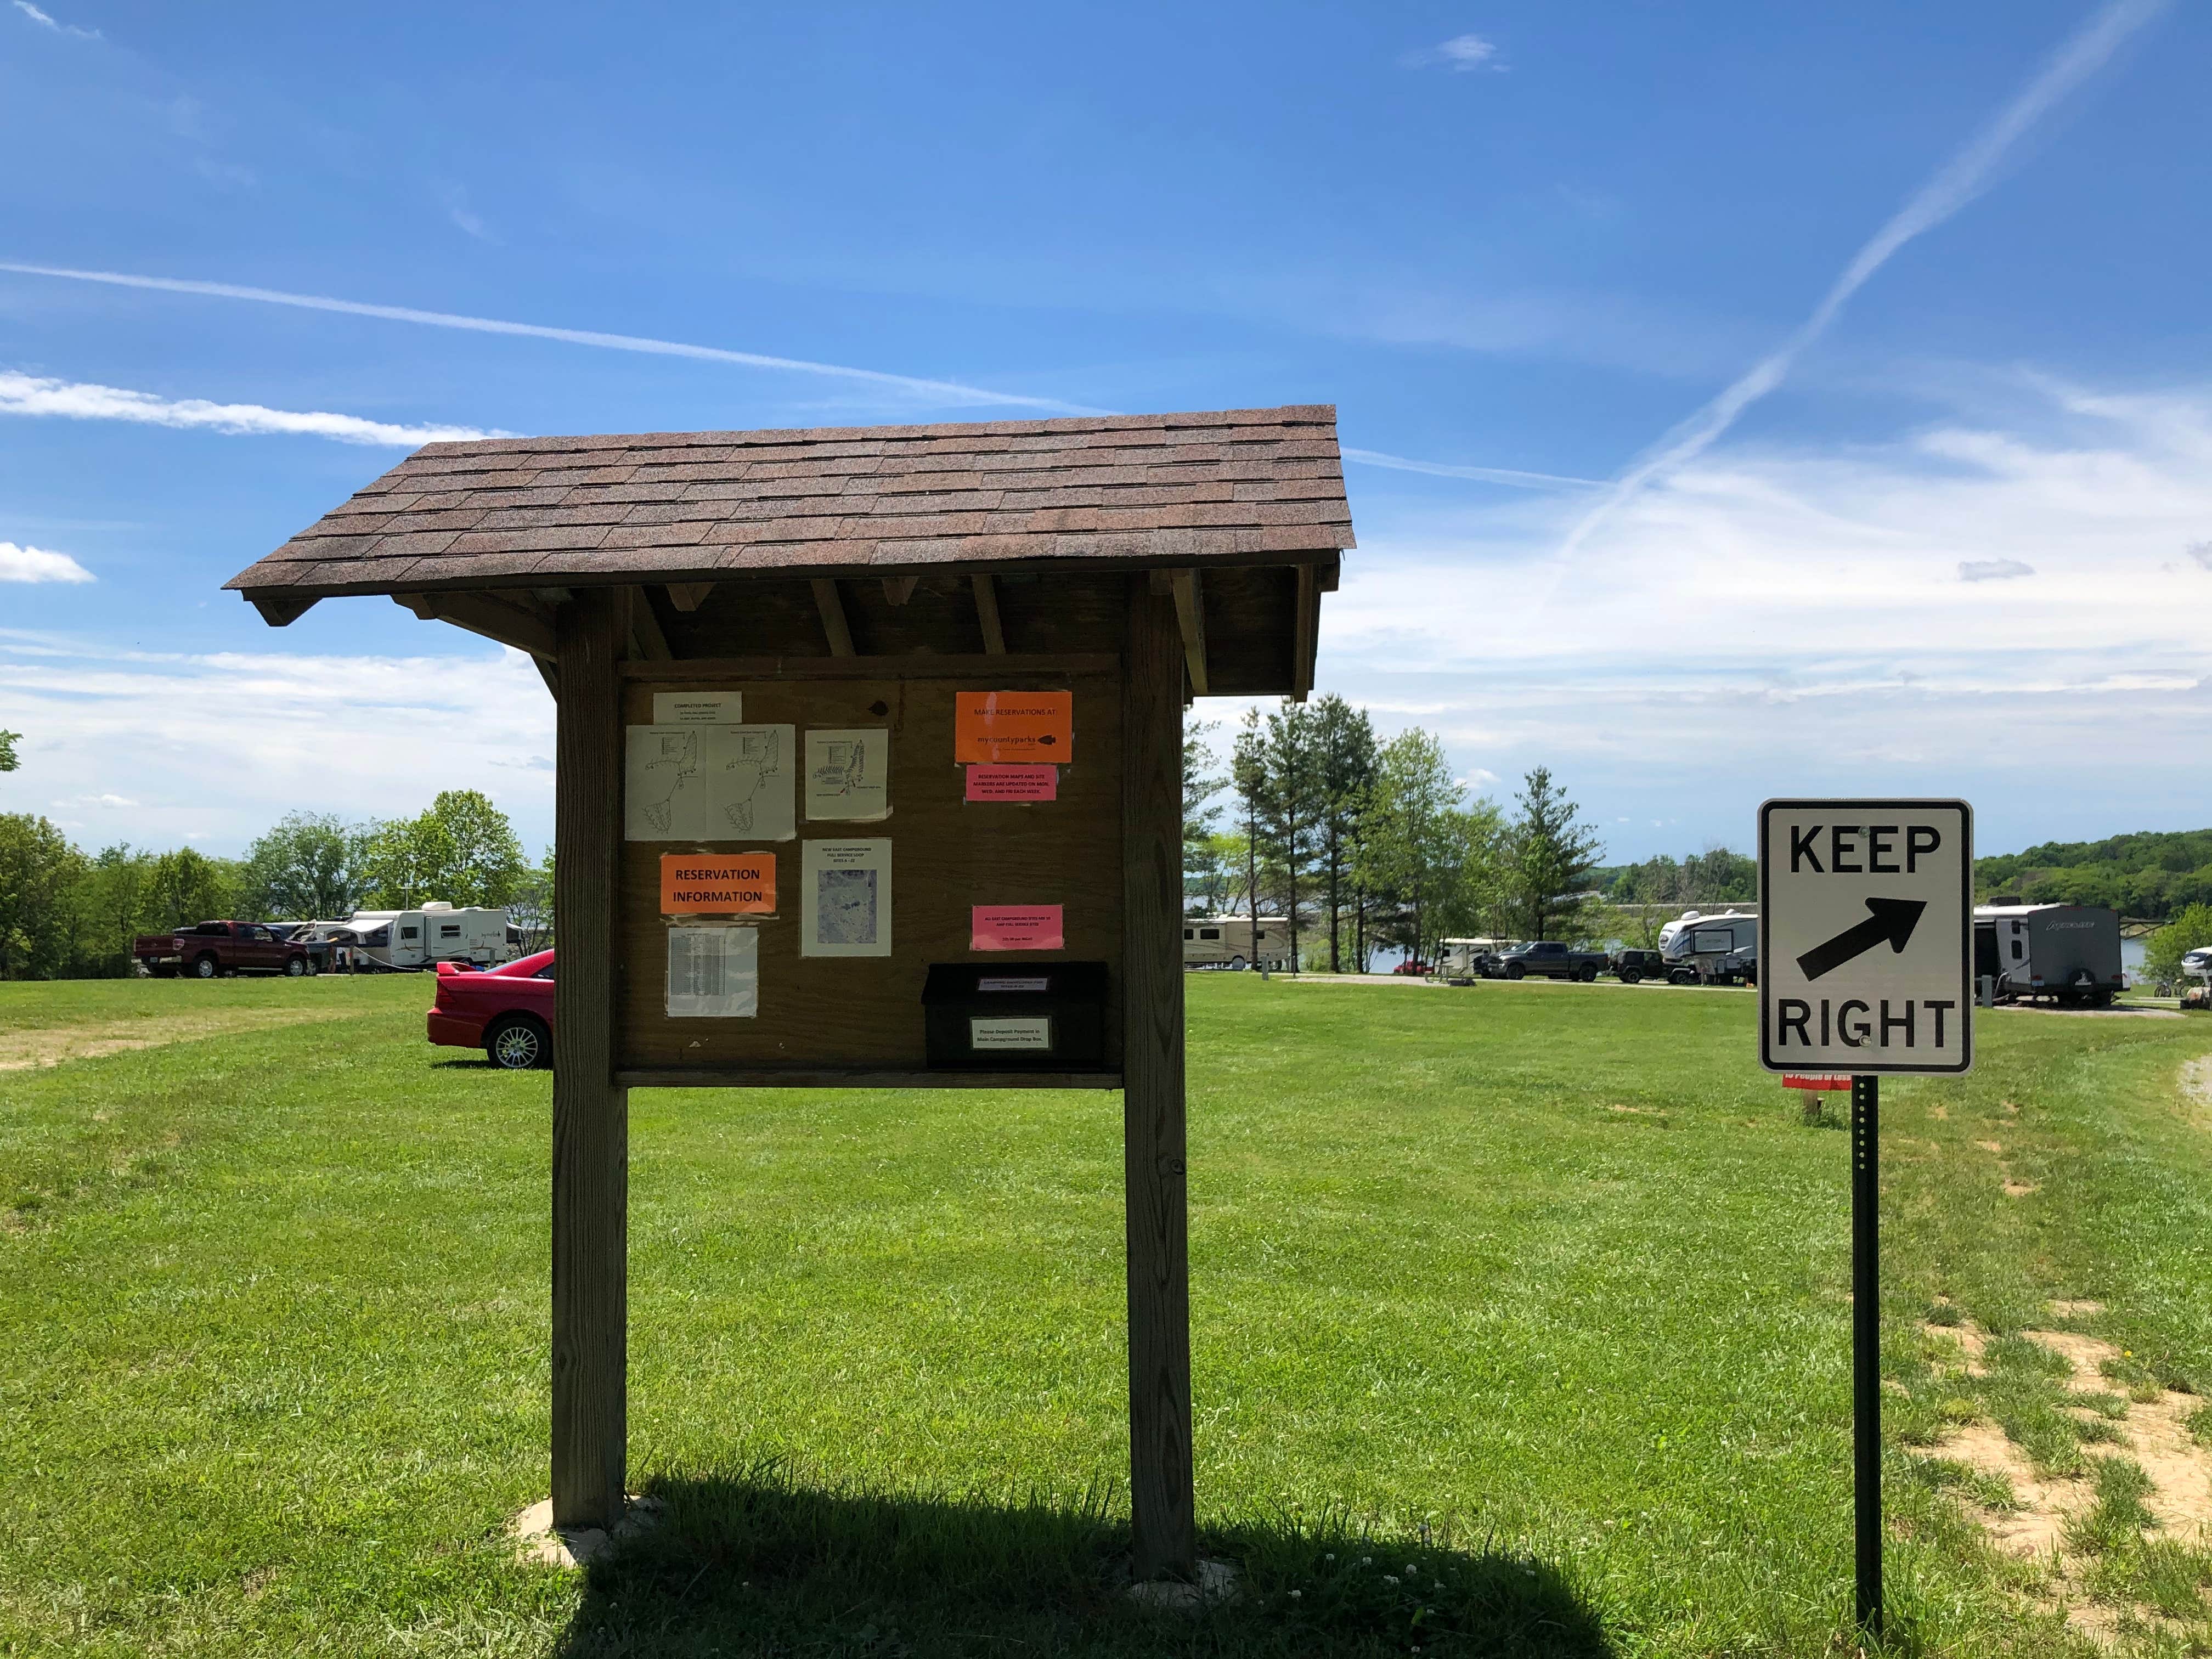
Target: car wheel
point(206, 968)
point(1589, 976)
point(518, 1044)
point(295, 966)
point(1630, 978)
point(1235, 964)
point(1515, 970)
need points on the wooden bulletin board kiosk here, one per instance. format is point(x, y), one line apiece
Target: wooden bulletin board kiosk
point(869, 775)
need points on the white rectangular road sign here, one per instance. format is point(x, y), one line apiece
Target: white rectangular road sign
point(1866, 923)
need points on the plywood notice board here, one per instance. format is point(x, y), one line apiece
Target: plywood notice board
point(818, 1016)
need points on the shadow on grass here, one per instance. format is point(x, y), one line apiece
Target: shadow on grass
point(757, 1562)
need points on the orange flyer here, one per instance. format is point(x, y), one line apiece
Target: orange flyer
point(718, 883)
point(989, 727)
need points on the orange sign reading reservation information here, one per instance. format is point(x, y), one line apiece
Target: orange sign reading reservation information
point(718, 883)
point(1013, 726)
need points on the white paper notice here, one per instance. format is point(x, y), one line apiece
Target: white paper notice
point(848, 774)
point(845, 894)
point(705, 783)
point(1032, 1032)
point(714, 973)
point(698, 708)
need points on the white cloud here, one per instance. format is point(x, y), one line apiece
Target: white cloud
point(1461, 53)
point(2201, 552)
point(1769, 619)
point(44, 21)
point(463, 216)
point(936, 392)
point(36, 564)
point(25, 394)
point(1954, 185)
point(218, 747)
point(1992, 570)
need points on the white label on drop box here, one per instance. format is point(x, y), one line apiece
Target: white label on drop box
point(1033, 983)
point(1033, 1033)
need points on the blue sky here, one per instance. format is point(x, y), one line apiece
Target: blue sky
point(1961, 542)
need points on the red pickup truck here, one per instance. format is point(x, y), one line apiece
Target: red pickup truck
point(507, 1011)
point(222, 947)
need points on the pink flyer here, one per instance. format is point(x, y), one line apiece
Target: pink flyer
point(1014, 927)
point(1001, 781)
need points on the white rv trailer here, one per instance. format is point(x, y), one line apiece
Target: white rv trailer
point(2068, 953)
point(421, 939)
point(1723, 946)
point(1456, 958)
point(1235, 942)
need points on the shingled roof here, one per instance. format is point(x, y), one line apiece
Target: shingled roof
point(1242, 487)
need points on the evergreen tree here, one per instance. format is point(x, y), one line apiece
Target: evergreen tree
point(8, 741)
point(1553, 852)
point(1200, 784)
point(1292, 802)
point(1344, 757)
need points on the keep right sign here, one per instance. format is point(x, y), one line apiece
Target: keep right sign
point(1866, 936)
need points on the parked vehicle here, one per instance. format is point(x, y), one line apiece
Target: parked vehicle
point(506, 1011)
point(1711, 949)
point(1411, 966)
point(1235, 942)
point(420, 938)
point(1462, 961)
point(214, 948)
point(1631, 966)
point(2067, 952)
point(1551, 959)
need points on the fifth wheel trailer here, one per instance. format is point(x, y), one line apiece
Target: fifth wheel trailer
point(437, 932)
point(2068, 953)
point(1235, 942)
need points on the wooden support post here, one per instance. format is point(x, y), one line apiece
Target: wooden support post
point(898, 590)
point(834, 628)
point(1156, 1191)
point(987, 613)
point(1190, 617)
point(591, 1116)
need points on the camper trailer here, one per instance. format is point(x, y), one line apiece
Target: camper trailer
point(2067, 952)
point(1710, 950)
point(1235, 942)
point(394, 939)
point(1461, 961)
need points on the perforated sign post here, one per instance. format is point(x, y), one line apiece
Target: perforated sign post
point(1866, 927)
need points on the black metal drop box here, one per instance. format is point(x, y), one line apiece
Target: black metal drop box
point(1024, 1017)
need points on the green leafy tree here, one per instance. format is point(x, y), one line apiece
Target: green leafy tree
point(186, 887)
point(8, 741)
point(530, 908)
point(308, 866)
point(1552, 852)
point(41, 914)
point(117, 891)
point(2188, 931)
point(462, 850)
point(1413, 844)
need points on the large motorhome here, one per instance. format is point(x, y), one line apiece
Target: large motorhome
point(1235, 942)
point(2068, 953)
point(478, 935)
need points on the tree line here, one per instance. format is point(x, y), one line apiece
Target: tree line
point(1363, 844)
point(66, 913)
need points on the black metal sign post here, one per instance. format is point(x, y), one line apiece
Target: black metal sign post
point(1866, 1344)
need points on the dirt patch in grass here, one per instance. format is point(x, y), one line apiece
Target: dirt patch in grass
point(2068, 1520)
point(26, 1050)
point(2197, 1087)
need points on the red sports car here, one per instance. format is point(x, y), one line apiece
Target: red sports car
point(507, 1011)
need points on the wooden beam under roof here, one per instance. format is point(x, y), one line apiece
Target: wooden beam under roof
point(987, 613)
point(688, 597)
point(645, 630)
point(835, 628)
point(1309, 633)
point(898, 590)
point(282, 613)
point(1190, 618)
point(510, 621)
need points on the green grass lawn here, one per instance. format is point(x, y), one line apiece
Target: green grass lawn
point(1518, 1312)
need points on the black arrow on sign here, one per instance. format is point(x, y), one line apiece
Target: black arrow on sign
point(1892, 919)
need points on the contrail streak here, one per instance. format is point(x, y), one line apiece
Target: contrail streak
point(1951, 189)
point(1496, 475)
point(949, 391)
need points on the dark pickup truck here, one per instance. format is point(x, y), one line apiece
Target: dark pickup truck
point(222, 947)
point(1551, 959)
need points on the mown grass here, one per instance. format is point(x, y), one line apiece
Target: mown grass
point(1530, 1299)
